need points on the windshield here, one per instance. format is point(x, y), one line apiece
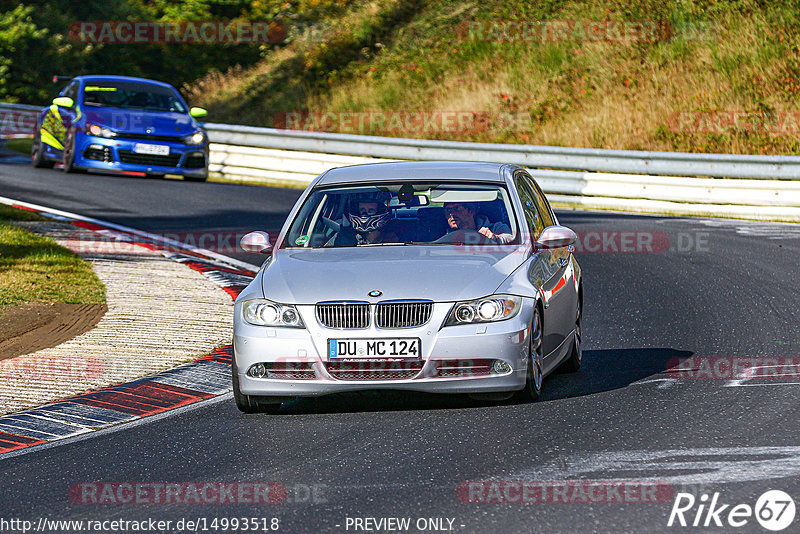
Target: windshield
point(132, 95)
point(404, 213)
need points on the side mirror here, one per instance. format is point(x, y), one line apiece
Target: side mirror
point(257, 242)
point(556, 237)
point(198, 113)
point(63, 102)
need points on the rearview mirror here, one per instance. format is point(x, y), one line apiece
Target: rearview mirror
point(556, 237)
point(198, 113)
point(63, 102)
point(257, 242)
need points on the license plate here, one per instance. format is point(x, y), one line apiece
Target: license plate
point(158, 150)
point(374, 348)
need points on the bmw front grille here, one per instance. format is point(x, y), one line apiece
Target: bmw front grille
point(389, 314)
point(403, 314)
point(343, 315)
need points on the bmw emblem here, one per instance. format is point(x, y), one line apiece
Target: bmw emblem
point(375, 293)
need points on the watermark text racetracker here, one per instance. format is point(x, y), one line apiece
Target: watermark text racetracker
point(614, 242)
point(17, 122)
point(180, 32)
point(608, 31)
point(734, 368)
point(110, 242)
point(721, 121)
point(563, 491)
point(196, 493)
point(407, 122)
point(48, 367)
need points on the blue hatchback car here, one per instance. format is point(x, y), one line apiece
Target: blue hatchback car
point(122, 124)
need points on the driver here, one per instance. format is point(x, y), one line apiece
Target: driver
point(369, 218)
point(462, 216)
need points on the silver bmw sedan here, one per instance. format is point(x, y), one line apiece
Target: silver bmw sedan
point(447, 277)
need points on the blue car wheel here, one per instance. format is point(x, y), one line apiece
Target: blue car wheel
point(69, 155)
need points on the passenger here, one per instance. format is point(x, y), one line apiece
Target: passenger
point(462, 216)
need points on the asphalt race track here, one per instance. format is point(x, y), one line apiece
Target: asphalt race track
point(708, 289)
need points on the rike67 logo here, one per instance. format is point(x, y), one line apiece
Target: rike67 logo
point(774, 510)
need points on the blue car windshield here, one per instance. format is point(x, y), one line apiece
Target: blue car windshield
point(404, 213)
point(132, 95)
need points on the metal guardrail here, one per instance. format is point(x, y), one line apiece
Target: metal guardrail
point(22, 107)
point(743, 186)
point(752, 187)
point(532, 156)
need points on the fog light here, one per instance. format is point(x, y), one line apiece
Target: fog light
point(499, 367)
point(257, 371)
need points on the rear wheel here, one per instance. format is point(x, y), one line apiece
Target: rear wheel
point(37, 155)
point(573, 363)
point(251, 403)
point(535, 376)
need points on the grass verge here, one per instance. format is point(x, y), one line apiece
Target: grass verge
point(717, 76)
point(23, 146)
point(35, 268)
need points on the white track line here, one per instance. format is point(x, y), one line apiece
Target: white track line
point(152, 237)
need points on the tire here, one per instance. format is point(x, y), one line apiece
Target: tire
point(573, 363)
point(250, 403)
point(68, 158)
point(534, 376)
point(37, 155)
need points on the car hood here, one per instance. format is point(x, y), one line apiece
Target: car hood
point(138, 121)
point(438, 273)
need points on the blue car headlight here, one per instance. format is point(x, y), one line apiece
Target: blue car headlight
point(262, 312)
point(485, 310)
point(197, 138)
point(99, 131)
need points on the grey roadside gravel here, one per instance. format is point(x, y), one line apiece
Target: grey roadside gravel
point(160, 314)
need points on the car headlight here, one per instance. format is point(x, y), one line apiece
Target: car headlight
point(263, 312)
point(99, 131)
point(485, 310)
point(197, 138)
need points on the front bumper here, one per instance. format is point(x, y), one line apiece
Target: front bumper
point(504, 340)
point(117, 155)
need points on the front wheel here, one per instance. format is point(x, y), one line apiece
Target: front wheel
point(68, 159)
point(250, 403)
point(535, 376)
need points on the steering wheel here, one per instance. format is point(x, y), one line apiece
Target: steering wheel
point(465, 237)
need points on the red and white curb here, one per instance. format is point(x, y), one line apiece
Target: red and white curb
point(202, 379)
